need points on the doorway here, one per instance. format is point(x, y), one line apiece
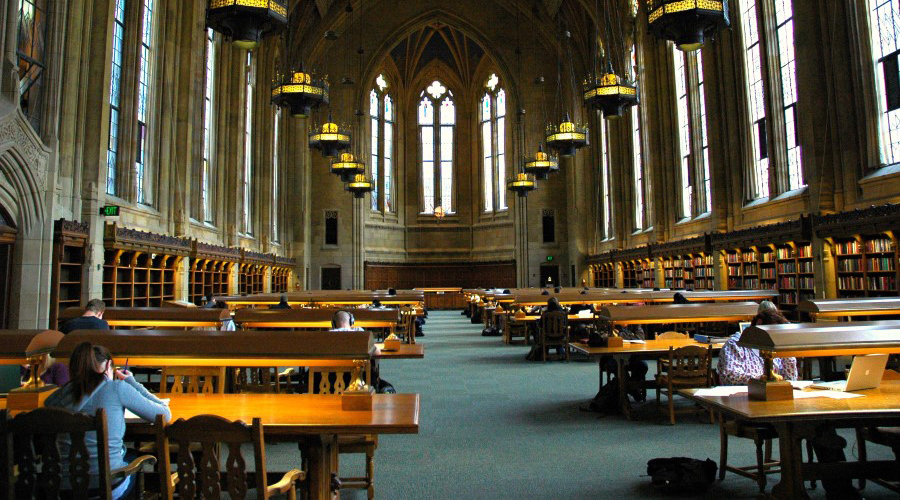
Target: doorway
point(550, 276)
point(331, 278)
point(7, 242)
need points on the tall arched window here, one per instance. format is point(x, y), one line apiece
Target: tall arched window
point(144, 83)
point(692, 141)
point(884, 26)
point(115, 87)
point(641, 184)
point(276, 171)
point(493, 143)
point(206, 168)
point(248, 145)
point(436, 130)
point(381, 158)
point(778, 87)
point(606, 183)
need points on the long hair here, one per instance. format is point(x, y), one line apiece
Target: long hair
point(86, 368)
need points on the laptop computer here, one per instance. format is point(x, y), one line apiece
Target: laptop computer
point(743, 325)
point(865, 373)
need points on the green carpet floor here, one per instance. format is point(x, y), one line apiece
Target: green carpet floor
point(493, 425)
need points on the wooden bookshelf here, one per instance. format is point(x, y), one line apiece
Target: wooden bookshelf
point(603, 275)
point(866, 265)
point(742, 268)
point(209, 278)
point(768, 279)
point(69, 250)
point(138, 279)
point(673, 272)
point(280, 279)
point(252, 278)
point(631, 271)
point(704, 276)
point(648, 273)
point(794, 269)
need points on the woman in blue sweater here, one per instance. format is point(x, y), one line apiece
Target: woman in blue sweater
point(96, 383)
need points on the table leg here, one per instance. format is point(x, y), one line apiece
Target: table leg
point(790, 455)
point(322, 466)
point(623, 381)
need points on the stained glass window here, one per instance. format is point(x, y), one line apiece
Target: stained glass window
point(144, 83)
point(114, 95)
point(756, 99)
point(638, 165)
point(784, 19)
point(248, 145)
point(436, 139)
point(684, 132)
point(487, 140)
point(388, 153)
point(492, 117)
point(374, 107)
point(885, 28)
point(704, 139)
point(606, 184)
point(30, 51)
point(276, 171)
point(381, 157)
point(206, 172)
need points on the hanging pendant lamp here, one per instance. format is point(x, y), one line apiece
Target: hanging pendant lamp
point(610, 93)
point(688, 23)
point(541, 164)
point(299, 92)
point(347, 167)
point(330, 139)
point(360, 185)
point(246, 22)
point(521, 184)
point(567, 138)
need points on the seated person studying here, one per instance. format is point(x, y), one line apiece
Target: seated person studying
point(343, 321)
point(91, 319)
point(95, 383)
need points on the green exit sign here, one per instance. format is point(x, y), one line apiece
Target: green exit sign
point(109, 211)
point(549, 258)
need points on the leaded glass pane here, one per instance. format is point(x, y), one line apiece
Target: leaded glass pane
point(487, 162)
point(756, 100)
point(885, 25)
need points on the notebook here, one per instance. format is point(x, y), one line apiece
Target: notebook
point(865, 373)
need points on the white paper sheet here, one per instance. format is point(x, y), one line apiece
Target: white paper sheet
point(824, 393)
point(801, 384)
point(635, 341)
point(722, 390)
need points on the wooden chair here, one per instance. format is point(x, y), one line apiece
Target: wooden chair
point(214, 434)
point(187, 380)
point(672, 336)
point(885, 436)
point(262, 380)
point(512, 328)
point(554, 332)
point(334, 380)
point(685, 367)
point(36, 473)
point(406, 330)
point(762, 436)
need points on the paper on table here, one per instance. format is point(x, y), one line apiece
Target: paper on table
point(825, 394)
point(801, 384)
point(129, 415)
point(635, 341)
point(722, 390)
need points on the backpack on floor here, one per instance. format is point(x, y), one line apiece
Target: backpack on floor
point(681, 474)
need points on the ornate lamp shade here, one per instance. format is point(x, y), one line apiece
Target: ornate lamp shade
point(521, 184)
point(439, 212)
point(541, 165)
point(299, 92)
point(347, 167)
point(330, 139)
point(568, 138)
point(360, 185)
point(611, 94)
point(687, 22)
point(246, 22)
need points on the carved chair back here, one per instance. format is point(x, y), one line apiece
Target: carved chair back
point(30, 440)
point(690, 364)
point(672, 335)
point(555, 325)
point(215, 435)
point(193, 380)
point(331, 379)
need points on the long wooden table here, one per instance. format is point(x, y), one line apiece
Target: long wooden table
point(840, 308)
point(163, 318)
point(651, 349)
point(313, 421)
point(314, 318)
point(796, 419)
point(405, 351)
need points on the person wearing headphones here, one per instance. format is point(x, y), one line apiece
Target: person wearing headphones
point(343, 321)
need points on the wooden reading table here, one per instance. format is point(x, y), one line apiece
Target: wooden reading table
point(840, 308)
point(313, 420)
point(650, 349)
point(156, 317)
point(678, 313)
point(315, 318)
point(796, 419)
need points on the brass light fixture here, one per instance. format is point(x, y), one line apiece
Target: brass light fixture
point(521, 184)
point(347, 167)
point(299, 92)
point(439, 212)
point(330, 139)
point(541, 164)
point(688, 23)
point(610, 93)
point(246, 22)
point(568, 138)
point(360, 185)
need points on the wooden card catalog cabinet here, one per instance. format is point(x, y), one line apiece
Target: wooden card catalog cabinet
point(815, 339)
point(241, 348)
point(157, 317)
point(33, 347)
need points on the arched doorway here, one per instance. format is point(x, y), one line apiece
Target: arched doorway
point(8, 235)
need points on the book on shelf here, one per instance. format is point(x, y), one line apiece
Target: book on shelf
point(879, 245)
point(847, 247)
